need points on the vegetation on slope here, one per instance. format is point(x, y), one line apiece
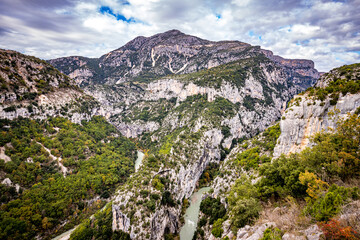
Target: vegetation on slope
point(342, 80)
point(97, 160)
point(99, 227)
point(242, 200)
point(28, 77)
point(313, 175)
point(322, 179)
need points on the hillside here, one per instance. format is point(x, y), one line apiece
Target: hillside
point(30, 87)
point(302, 193)
point(54, 172)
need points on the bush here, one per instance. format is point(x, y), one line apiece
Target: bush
point(244, 207)
point(272, 234)
point(251, 159)
point(327, 206)
point(334, 231)
point(245, 212)
point(281, 178)
point(10, 109)
point(144, 193)
point(217, 230)
point(167, 199)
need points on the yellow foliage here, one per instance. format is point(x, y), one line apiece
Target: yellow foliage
point(316, 187)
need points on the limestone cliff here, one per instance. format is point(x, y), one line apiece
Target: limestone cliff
point(318, 109)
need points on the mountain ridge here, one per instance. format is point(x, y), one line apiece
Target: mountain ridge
point(171, 52)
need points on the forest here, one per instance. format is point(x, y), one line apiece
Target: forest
point(96, 158)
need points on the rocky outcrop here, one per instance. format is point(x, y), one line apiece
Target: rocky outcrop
point(32, 88)
point(9, 183)
point(164, 221)
point(253, 233)
point(300, 123)
point(3, 155)
point(256, 232)
point(189, 175)
point(308, 115)
point(120, 220)
point(66, 103)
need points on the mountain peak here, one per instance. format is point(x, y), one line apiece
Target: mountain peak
point(172, 52)
point(173, 32)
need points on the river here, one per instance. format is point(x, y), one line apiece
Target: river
point(65, 235)
point(192, 215)
point(138, 162)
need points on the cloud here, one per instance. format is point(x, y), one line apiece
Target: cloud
point(328, 32)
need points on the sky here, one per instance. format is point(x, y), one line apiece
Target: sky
point(327, 32)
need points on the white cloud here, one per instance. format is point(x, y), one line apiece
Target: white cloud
point(326, 32)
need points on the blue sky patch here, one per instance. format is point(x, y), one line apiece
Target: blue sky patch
point(218, 16)
point(252, 34)
point(108, 10)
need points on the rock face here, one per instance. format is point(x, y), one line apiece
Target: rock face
point(308, 115)
point(253, 233)
point(120, 220)
point(33, 88)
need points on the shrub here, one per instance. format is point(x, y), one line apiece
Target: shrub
point(245, 212)
point(244, 207)
point(10, 109)
point(251, 159)
point(328, 205)
point(167, 199)
point(217, 230)
point(144, 193)
point(272, 234)
point(156, 183)
point(334, 231)
point(281, 178)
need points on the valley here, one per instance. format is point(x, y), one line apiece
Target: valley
point(177, 137)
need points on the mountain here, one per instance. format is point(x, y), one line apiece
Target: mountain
point(139, 72)
point(204, 114)
point(171, 52)
point(30, 87)
point(188, 101)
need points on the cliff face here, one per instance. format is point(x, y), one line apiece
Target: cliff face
point(33, 88)
point(316, 111)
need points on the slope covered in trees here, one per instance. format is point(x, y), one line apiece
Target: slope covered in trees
point(96, 159)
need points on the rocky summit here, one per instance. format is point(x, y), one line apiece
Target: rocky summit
point(271, 144)
point(173, 52)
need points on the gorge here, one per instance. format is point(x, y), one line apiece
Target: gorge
point(155, 124)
